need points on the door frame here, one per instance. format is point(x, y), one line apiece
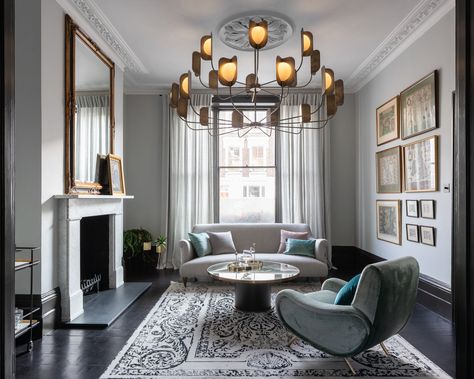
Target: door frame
point(7, 234)
point(463, 191)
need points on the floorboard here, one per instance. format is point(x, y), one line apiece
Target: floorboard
point(85, 354)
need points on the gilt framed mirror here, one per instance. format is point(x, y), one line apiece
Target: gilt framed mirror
point(90, 118)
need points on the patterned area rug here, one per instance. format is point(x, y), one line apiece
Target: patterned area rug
point(195, 332)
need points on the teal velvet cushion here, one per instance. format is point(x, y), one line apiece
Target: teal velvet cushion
point(300, 247)
point(346, 293)
point(201, 243)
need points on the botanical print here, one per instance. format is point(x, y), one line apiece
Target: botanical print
point(388, 171)
point(388, 221)
point(421, 165)
point(412, 233)
point(412, 208)
point(418, 104)
point(427, 209)
point(387, 121)
point(427, 235)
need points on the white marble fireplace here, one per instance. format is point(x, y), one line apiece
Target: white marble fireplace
point(72, 208)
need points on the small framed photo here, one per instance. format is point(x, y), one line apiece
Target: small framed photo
point(412, 233)
point(421, 165)
point(389, 221)
point(389, 168)
point(419, 107)
point(412, 208)
point(388, 118)
point(427, 209)
point(116, 179)
point(428, 235)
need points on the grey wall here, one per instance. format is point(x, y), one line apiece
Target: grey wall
point(141, 156)
point(27, 133)
point(40, 140)
point(434, 50)
point(343, 169)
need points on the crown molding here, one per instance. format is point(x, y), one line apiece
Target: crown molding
point(102, 26)
point(426, 14)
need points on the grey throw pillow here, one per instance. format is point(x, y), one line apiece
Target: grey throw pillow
point(222, 243)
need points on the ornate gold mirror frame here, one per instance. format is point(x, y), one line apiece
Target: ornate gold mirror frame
point(74, 33)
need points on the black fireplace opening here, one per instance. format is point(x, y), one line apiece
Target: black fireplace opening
point(94, 254)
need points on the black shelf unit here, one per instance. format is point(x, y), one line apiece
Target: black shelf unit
point(28, 321)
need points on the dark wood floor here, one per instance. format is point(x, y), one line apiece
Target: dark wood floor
point(74, 354)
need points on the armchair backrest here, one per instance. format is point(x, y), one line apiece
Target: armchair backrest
point(386, 295)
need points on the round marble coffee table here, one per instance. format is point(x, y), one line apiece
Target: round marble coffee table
point(253, 288)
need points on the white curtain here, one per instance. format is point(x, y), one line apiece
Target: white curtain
point(191, 192)
point(304, 170)
point(92, 133)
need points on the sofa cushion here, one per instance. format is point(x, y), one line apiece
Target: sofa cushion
point(201, 243)
point(266, 236)
point(285, 234)
point(221, 243)
point(309, 267)
point(346, 293)
point(304, 248)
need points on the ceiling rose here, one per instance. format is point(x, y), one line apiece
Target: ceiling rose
point(234, 33)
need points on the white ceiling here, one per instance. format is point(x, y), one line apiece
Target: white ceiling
point(163, 34)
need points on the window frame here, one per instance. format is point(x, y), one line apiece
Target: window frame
point(222, 106)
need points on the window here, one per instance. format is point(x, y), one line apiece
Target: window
point(246, 174)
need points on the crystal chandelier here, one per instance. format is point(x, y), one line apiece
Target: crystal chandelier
point(223, 82)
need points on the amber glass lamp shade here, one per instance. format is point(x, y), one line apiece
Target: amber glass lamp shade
point(228, 71)
point(237, 119)
point(182, 109)
point(206, 47)
point(327, 76)
point(174, 95)
point(204, 116)
point(185, 86)
point(339, 92)
point(213, 79)
point(306, 112)
point(306, 43)
point(196, 63)
point(258, 34)
point(331, 106)
point(285, 71)
point(315, 62)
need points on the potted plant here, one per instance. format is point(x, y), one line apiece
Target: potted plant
point(160, 244)
point(136, 250)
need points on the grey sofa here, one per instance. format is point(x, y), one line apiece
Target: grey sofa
point(267, 239)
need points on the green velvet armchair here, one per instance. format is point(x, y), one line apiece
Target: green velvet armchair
point(382, 305)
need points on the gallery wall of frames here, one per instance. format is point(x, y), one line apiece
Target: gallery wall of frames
point(411, 166)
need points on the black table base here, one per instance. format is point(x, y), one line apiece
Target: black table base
point(251, 297)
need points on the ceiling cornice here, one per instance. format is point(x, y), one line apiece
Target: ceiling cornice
point(416, 23)
point(91, 12)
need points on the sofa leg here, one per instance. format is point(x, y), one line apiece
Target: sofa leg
point(185, 280)
point(350, 366)
point(384, 348)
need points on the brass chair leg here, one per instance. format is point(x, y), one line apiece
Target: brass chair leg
point(384, 348)
point(293, 339)
point(350, 366)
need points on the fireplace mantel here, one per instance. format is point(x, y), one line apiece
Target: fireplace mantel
point(71, 209)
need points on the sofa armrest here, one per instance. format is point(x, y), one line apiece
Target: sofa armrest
point(333, 284)
point(186, 252)
point(321, 251)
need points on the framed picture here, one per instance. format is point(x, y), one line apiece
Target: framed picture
point(389, 169)
point(102, 173)
point(389, 221)
point(412, 208)
point(412, 233)
point(419, 107)
point(116, 180)
point(428, 235)
point(421, 165)
point(427, 208)
point(388, 121)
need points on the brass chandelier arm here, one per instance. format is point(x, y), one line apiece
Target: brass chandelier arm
point(300, 116)
point(235, 108)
